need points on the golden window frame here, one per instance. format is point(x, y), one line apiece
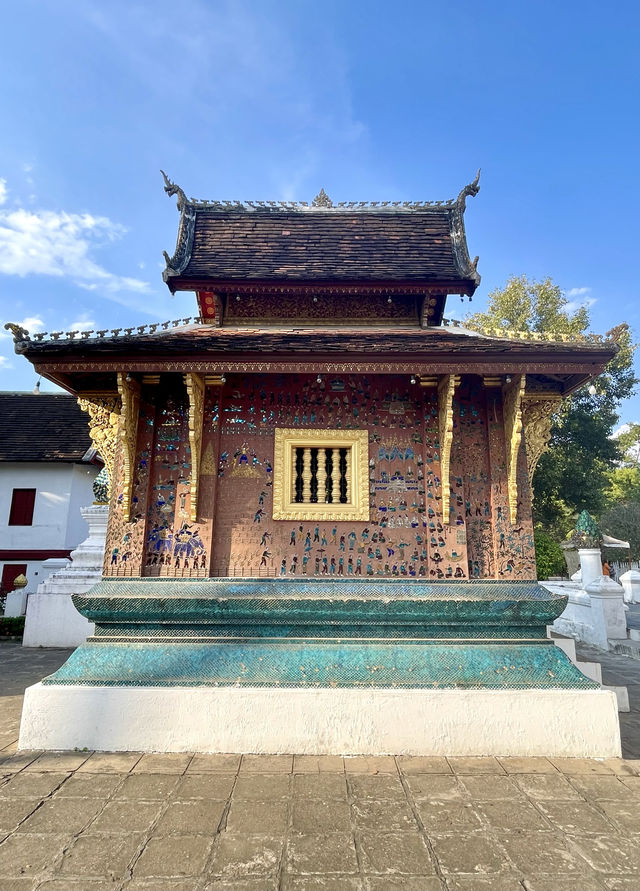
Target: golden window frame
point(287, 440)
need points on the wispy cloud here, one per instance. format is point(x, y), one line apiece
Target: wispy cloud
point(3, 191)
point(244, 62)
point(83, 323)
point(623, 428)
point(60, 244)
point(578, 297)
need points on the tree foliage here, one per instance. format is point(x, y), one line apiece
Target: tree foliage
point(549, 557)
point(623, 521)
point(575, 474)
point(531, 306)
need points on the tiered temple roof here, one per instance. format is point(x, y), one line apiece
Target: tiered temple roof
point(409, 247)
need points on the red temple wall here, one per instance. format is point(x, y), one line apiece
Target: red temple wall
point(405, 535)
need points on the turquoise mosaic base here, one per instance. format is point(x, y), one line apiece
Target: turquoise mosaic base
point(309, 632)
point(312, 664)
point(210, 609)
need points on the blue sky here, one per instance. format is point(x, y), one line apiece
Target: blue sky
point(274, 100)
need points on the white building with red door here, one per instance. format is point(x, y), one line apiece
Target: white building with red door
point(47, 469)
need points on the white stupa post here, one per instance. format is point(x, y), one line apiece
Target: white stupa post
point(608, 604)
point(16, 602)
point(590, 565)
point(630, 581)
point(52, 619)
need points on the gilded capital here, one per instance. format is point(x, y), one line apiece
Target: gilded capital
point(537, 414)
point(103, 408)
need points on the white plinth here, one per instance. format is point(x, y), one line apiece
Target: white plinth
point(571, 723)
point(16, 603)
point(52, 619)
point(607, 598)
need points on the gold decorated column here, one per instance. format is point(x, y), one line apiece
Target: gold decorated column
point(129, 390)
point(195, 392)
point(306, 476)
point(322, 476)
point(335, 475)
point(512, 394)
point(446, 389)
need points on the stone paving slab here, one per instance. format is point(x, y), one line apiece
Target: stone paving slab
point(80, 821)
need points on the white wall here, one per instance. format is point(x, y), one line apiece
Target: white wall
point(61, 490)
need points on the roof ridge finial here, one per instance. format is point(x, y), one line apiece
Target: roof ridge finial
point(470, 190)
point(322, 200)
point(172, 189)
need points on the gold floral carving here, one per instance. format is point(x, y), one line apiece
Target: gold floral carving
point(287, 440)
point(208, 463)
point(512, 394)
point(536, 420)
point(195, 392)
point(103, 409)
point(129, 390)
point(227, 366)
point(446, 389)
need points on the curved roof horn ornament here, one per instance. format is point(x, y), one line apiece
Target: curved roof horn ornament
point(469, 191)
point(172, 188)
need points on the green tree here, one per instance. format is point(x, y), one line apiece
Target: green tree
point(530, 306)
point(549, 557)
point(623, 521)
point(574, 475)
point(624, 480)
point(629, 442)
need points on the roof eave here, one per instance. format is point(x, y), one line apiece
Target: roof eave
point(177, 282)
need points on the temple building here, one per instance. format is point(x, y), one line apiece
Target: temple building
point(320, 533)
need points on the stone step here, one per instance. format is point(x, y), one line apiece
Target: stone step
point(622, 695)
point(625, 647)
point(592, 670)
point(566, 644)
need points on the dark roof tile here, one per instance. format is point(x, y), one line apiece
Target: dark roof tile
point(42, 427)
point(418, 243)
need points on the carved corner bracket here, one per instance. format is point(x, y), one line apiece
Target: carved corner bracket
point(129, 390)
point(537, 412)
point(446, 389)
point(512, 394)
point(103, 408)
point(195, 392)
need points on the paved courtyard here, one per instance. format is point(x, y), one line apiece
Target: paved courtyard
point(84, 821)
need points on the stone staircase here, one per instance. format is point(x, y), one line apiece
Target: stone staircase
point(592, 670)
